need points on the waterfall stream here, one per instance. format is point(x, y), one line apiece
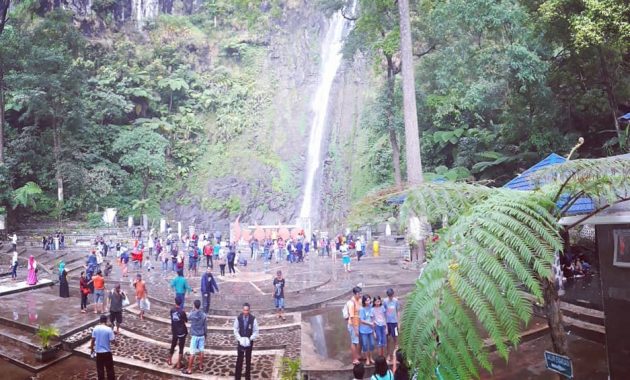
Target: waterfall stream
point(330, 62)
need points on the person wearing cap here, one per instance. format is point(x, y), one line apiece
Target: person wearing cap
point(116, 298)
point(208, 287)
point(102, 337)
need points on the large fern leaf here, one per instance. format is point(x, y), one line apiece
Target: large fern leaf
point(477, 283)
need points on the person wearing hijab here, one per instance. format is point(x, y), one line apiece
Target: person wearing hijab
point(14, 265)
point(32, 271)
point(64, 290)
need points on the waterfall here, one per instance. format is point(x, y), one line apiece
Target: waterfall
point(330, 62)
point(144, 10)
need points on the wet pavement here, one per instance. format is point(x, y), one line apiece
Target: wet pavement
point(314, 333)
point(527, 362)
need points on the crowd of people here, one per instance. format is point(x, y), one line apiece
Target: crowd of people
point(373, 329)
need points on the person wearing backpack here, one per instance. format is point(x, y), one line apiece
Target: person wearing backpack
point(351, 314)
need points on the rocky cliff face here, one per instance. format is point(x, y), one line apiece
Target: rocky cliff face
point(264, 189)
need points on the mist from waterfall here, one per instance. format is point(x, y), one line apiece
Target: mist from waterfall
point(330, 62)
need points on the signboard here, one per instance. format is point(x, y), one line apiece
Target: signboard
point(559, 364)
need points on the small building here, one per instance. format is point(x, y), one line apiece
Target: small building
point(612, 231)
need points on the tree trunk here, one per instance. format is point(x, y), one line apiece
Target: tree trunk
point(412, 137)
point(554, 317)
point(1, 117)
point(57, 155)
point(393, 139)
point(4, 10)
point(610, 95)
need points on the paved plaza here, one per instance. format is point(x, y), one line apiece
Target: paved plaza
point(317, 287)
point(313, 331)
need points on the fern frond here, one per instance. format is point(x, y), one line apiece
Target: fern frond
point(503, 240)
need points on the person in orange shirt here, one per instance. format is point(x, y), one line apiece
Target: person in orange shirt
point(141, 294)
point(354, 306)
point(99, 291)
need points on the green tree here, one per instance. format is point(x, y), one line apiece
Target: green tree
point(142, 153)
point(48, 84)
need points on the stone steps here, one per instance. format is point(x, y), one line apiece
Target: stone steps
point(149, 355)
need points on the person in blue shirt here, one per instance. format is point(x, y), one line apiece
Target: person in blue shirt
point(208, 287)
point(366, 328)
point(102, 336)
point(392, 316)
point(181, 287)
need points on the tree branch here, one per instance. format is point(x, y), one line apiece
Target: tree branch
point(564, 184)
point(422, 54)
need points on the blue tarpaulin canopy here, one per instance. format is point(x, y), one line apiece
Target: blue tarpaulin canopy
point(524, 182)
point(625, 117)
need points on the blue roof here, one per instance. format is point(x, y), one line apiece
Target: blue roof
point(523, 182)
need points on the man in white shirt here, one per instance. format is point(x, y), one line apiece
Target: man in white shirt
point(245, 331)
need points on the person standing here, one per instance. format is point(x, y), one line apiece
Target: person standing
point(245, 332)
point(141, 294)
point(208, 287)
point(116, 298)
point(354, 307)
point(208, 252)
point(181, 287)
point(14, 265)
point(359, 249)
point(392, 316)
point(102, 337)
point(99, 291)
point(366, 329)
point(32, 270)
point(380, 325)
point(64, 290)
point(230, 260)
point(345, 257)
point(179, 331)
point(84, 289)
point(278, 294)
point(198, 332)
point(222, 263)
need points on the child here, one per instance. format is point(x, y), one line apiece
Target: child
point(380, 327)
point(366, 328)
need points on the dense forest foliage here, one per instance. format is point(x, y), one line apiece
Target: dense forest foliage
point(98, 114)
point(500, 84)
point(108, 116)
